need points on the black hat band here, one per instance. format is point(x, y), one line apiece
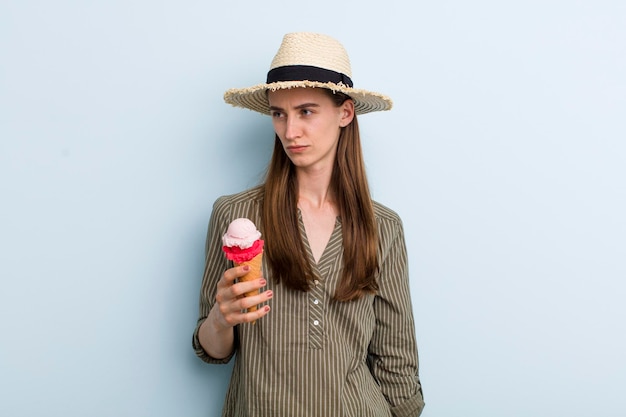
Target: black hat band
point(307, 73)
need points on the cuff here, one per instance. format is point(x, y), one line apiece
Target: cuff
point(200, 352)
point(410, 408)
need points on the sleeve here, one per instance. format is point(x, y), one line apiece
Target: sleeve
point(393, 350)
point(215, 265)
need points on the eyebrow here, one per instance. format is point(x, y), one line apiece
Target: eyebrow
point(298, 107)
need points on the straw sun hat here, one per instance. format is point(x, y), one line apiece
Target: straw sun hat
point(308, 60)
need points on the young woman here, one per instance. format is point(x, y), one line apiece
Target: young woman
point(334, 335)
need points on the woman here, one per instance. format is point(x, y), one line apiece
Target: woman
point(335, 333)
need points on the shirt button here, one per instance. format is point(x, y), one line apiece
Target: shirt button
point(316, 282)
point(316, 302)
point(316, 322)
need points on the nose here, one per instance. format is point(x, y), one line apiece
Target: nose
point(292, 128)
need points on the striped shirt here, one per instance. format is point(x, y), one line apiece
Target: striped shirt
point(312, 356)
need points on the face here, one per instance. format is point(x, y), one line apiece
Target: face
point(308, 124)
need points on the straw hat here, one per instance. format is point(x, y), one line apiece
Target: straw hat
point(308, 60)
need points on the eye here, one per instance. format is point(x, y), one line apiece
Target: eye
point(276, 114)
point(306, 112)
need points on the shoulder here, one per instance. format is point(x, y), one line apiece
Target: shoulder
point(386, 217)
point(243, 204)
point(390, 229)
point(251, 194)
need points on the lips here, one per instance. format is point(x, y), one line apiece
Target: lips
point(296, 148)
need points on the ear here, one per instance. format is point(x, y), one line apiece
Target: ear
point(347, 113)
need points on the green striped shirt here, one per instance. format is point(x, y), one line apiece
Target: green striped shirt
point(312, 356)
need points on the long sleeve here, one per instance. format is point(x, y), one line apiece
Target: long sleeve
point(215, 265)
point(393, 355)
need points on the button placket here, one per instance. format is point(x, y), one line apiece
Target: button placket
point(316, 308)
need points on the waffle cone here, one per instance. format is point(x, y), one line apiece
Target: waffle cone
point(256, 271)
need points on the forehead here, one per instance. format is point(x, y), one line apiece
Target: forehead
point(295, 96)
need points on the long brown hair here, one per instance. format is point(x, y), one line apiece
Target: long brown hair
point(285, 252)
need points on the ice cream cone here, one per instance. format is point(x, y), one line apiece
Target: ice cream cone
point(243, 245)
point(256, 271)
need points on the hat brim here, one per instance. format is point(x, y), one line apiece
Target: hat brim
point(255, 97)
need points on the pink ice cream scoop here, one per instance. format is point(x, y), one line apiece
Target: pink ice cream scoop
point(242, 241)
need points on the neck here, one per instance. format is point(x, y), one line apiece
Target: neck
point(314, 188)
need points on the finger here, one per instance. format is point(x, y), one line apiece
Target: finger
point(235, 272)
point(230, 275)
point(254, 300)
point(245, 287)
point(231, 299)
point(236, 311)
point(256, 315)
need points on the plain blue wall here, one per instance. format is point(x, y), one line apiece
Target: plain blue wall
point(505, 156)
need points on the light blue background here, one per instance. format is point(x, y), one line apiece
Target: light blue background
point(504, 155)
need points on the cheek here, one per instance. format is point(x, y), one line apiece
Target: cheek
point(332, 129)
point(280, 138)
point(278, 130)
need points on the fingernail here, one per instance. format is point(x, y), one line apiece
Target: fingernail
point(267, 308)
point(269, 294)
point(246, 268)
point(262, 281)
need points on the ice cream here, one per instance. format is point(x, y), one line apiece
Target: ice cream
point(243, 245)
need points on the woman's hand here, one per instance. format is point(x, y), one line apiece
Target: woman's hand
point(230, 301)
point(216, 333)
